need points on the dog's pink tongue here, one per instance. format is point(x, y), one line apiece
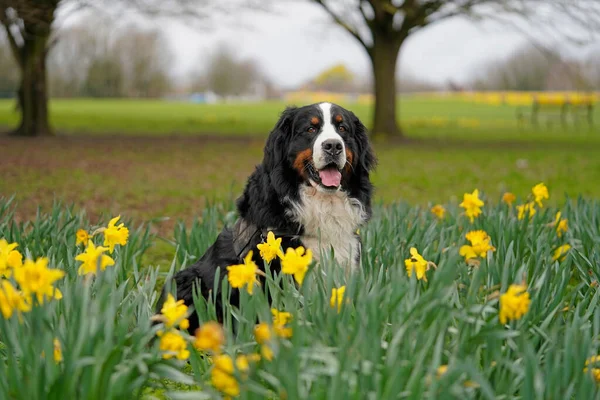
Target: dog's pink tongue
point(330, 177)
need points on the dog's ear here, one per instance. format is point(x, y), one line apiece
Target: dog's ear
point(279, 138)
point(367, 159)
point(286, 119)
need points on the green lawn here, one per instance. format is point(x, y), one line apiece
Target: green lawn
point(119, 156)
point(421, 116)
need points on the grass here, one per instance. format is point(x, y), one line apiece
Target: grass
point(421, 116)
point(154, 179)
point(388, 340)
point(117, 156)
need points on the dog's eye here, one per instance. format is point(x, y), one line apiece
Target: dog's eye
point(341, 128)
point(311, 130)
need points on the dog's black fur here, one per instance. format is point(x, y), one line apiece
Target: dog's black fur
point(269, 193)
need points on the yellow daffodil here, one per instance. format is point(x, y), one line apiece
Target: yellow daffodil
point(174, 313)
point(241, 363)
point(472, 205)
point(262, 333)
point(35, 278)
point(337, 297)
point(57, 351)
point(527, 209)
point(416, 262)
point(252, 357)
point(296, 262)
point(561, 252)
point(222, 374)
point(280, 319)
point(480, 245)
point(58, 357)
point(562, 225)
point(209, 337)
point(82, 237)
point(266, 352)
point(514, 303)
point(172, 344)
point(594, 363)
point(91, 257)
point(439, 211)
point(115, 234)
point(243, 274)
point(509, 198)
point(442, 369)
point(9, 258)
point(540, 192)
point(12, 300)
point(270, 249)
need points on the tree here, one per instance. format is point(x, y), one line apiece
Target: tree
point(409, 82)
point(80, 46)
point(382, 27)
point(93, 58)
point(337, 78)
point(527, 68)
point(531, 68)
point(29, 25)
point(145, 59)
point(104, 78)
point(591, 71)
point(228, 76)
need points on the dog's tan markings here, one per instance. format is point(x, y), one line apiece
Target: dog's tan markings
point(315, 120)
point(338, 118)
point(300, 162)
point(349, 159)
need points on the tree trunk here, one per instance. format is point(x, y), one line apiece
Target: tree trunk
point(32, 97)
point(384, 55)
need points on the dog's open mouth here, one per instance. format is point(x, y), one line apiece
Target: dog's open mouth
point(329, 177)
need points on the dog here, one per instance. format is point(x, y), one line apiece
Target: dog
point(312, 189)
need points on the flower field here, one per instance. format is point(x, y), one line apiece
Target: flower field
point(477, 298)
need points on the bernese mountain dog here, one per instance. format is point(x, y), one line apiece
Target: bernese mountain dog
point(312, 189)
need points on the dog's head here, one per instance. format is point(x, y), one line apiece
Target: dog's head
point(324, 144)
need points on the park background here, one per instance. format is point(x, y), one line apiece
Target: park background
point(156, 109)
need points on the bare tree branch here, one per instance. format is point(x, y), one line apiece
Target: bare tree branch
point(353, 31)
point(361, 8)
point(14, 46)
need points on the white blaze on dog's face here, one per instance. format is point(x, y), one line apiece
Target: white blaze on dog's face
point(329, 151)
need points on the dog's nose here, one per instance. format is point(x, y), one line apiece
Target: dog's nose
point(333, 147)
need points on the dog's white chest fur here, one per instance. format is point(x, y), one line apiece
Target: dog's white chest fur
point(330, 221)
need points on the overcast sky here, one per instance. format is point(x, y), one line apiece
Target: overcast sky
point(295, 43)
point(299, 42)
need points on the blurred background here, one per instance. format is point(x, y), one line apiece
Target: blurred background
point(152, 109)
